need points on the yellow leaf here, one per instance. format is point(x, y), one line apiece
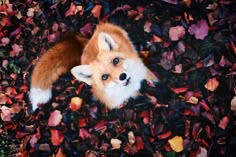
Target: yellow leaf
point(176, 143)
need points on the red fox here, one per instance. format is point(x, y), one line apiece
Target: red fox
point(108, 62)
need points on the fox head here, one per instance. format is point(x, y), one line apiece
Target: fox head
point(115, 75)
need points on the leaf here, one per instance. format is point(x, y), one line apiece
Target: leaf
point(75, 103)
point(53, 37)
point(176, 33)
point(84, 134)
point(56, 137)
point(96, 11)
point(199, 30)
point(178, 69)
point(5, 41)
point(33, 140)
point(6, 113)
point(212, 84)
point(165, 135)
point(73, 10)
point(202, 152)
point(171, 1)
point(233, 104)
point(86, 30)
point(116, 143)
point(176, 143)
point(131, 137)
point(139, 143)
point(3, 99)
point(60, 153)
point(179, 89)
point(55, 118)
point(16, 49)
point(224, 122)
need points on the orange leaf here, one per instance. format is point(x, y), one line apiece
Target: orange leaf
point(56, 137)
point(60, 153)
point(176, 143)
point(75, 103)
point(212, 84)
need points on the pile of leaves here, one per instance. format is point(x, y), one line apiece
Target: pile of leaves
point(188, 44)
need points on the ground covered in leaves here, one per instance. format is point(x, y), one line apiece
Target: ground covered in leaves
point(188, 44)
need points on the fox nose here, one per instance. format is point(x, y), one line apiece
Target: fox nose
point(123, 76)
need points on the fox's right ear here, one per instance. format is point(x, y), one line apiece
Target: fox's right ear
point(106, 42)
point(83, 73)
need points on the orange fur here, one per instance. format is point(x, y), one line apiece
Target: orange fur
point(58, 60)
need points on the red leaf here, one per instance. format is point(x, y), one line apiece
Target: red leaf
point(20, 134)
point(100, 126)
point(86, 30)
point(139, 143)
point(20, 96)
point(84, 134)
point(204, 105)
point(165, 135)
point(179, 90)
point(82, 122)
point(224, 122)
point(55, 118)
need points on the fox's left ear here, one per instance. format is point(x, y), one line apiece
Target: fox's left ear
point(83, 73)
point(106, 42)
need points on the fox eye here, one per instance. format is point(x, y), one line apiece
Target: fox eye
point(116, 61)
point(105, 76)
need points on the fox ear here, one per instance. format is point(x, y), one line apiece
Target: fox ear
point(83, 73)
point(106, 42)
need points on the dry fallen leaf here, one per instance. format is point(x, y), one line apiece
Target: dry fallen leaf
point(131, 137)
point(75, 103)
point(56, 137)
point(116, 143)
point(212, 84)
point(96, 11)
point(224, 122)
point(176, 143)
point(55, 118)
point(60, 153)
point(233, 104)
point(6, 113)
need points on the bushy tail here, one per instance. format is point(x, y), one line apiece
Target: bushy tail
point(58, 60)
